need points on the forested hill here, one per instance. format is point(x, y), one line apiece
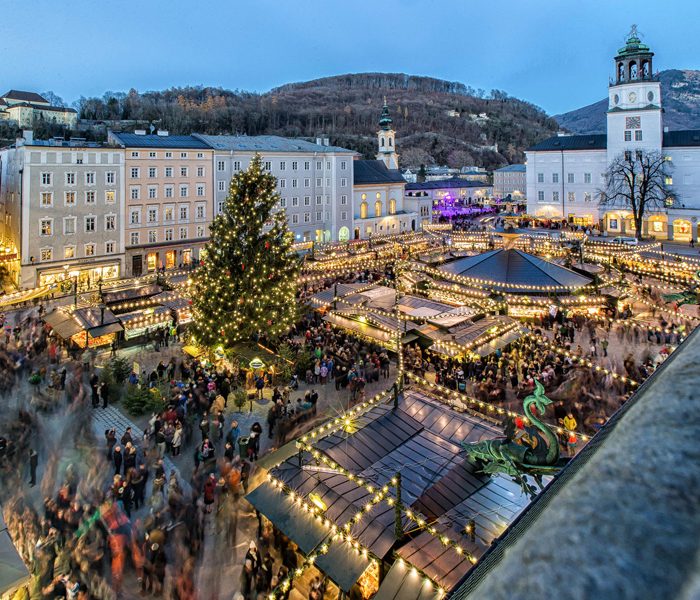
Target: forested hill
point(437, 122)
point(680, 98)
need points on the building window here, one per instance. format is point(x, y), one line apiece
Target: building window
point(134, 172)
point(555, 196)
point(151, 155)
point(169, 213)
point(69, 198)
point(378, 208)
point(46, 199)
point(183, 233)
point(152, 191)
point(344, 215)
point(90, 178)
point(363, 210)
point(152, 214)
point(46, 178)
point(343, 182)
point(307, 182)
point(318, 215)
point(236, 165)
point(392, 207)
point(90, 197)
point(319, 165)
point(46, 226)
point(109, 247)
point(109, 197)
point(183, 154)
point(89, 249)
point(134, 154)
point(200, 154)
point(168, 235)
point(221, 165)
point(135, 217)
point(168, 155)
point(628, 135)
point(307, 217)
point(343, 165)
point(267, 165)
point(570, 178)
point(283, 183)
point(89, 224)
point(638, 135)
point(183, 191)
point(110, 222)
point(307, 165)
point(184, 213)
point(555, 177)
point(221, 186)
point(586, 178)
point(200, 231)
point(307, 200)
point(295, 219)
point(110, 177)
point(571, 196)
point(295, 183)
point(328, 181)
point(168, 189)
point(200, 189)
point(152, 173)
point(586, 196)
point(540, 177)
point(168, 171)
point(328, 165)
point(134, 238)
point(295, 165)
point(200, 171)
point(46, 254)
point(70, 178)
point(343, 200)
point(295, 201)
point(183, 171)
point(283, 165)
point(319, 182)
point(668, 180)
point(152, 236)
point(69, 225)
point(135, 193)
point(283, 203)
point(319, 200)
point(200, 211)
point(220, 206)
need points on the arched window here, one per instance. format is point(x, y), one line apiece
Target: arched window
point(382, 142)
point(363, 210)
point(391, 142)
point(633, 70)
point(392, 207)
point(620, 72)
point(378, 208)
point(645, 69)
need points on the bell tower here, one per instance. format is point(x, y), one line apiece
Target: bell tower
point(386, 140)
point(634, 106)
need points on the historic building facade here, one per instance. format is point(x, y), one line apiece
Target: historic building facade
point(314, 180)
point(63, 205)
point(565, 174)
point(169, 200)
point(510, 181)
point(23, 108)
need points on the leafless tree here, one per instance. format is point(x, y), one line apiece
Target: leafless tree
point(637, 180)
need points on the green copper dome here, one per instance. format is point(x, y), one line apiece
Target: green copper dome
point(385, 119)
point(634, 44)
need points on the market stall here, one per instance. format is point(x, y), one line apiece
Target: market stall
point(99, 327)
point(145, 321)
point(180, 307)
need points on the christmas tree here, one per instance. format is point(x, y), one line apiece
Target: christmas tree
point(247, 281)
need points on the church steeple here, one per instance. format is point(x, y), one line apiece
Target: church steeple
point(634, 60)
point(385, 140)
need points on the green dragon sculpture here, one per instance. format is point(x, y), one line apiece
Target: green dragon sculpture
point(533, 451)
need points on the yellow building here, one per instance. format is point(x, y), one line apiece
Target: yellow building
point(24, 108)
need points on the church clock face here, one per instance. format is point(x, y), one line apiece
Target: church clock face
point(616, 99)
point(633, 97)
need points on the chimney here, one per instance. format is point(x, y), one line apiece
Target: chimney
point(319, 142)
point(28, 136)
point(163, 133)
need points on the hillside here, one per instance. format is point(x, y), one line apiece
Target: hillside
point(436, 121)
point(680, 98)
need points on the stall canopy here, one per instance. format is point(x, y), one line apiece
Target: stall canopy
point(13, 571)
point(63, 323)
point(96, 322)
point(403, 583)
point(131, 293)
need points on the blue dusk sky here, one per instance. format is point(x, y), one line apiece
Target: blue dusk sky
point(554, 53)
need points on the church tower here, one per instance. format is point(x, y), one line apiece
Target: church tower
point(634, 109)
point(386, 141)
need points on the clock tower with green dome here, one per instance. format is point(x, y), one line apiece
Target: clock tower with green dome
point(634, 108)
point(386, 140)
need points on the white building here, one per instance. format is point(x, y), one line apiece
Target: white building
point(565, 174)
point(510, 181)
point(313, 180)
point(379, 205)
point(63, 207)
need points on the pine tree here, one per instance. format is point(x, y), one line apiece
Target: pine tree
point(248, 280)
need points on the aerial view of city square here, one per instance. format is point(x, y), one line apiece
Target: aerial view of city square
point(383, 300)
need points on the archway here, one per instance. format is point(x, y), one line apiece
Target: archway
point(344, 234)
point(378, 208)
point(682, 230)
point(657, 226)
point(363, 210)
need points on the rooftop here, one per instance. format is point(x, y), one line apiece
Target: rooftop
point(511, 169)
point(453, 182)
point(375, 171)
point(133, 140)
point(595, 141)
point(25, 96)
point(515, 271)
point(265, 143)
point(42, 107)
